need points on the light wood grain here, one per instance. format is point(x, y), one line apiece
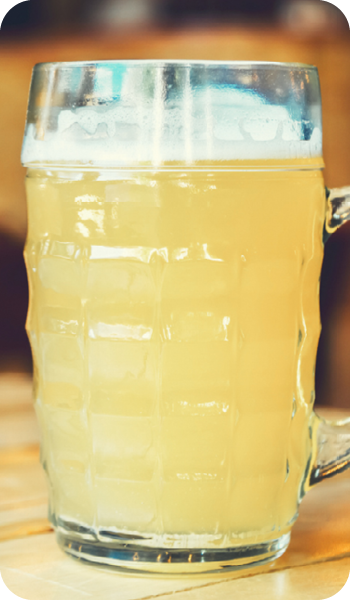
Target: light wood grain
point(21, 484)
point(69, 579)
point(35, 568)
point(18, 424)
point(28, 527)
point(18, 429)
point(23, 489)
point(322, 530)
point(315, 566)
point(15, 391)
point(314, 582)
point(23, 499)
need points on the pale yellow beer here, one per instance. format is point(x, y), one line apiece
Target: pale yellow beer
point(174, 322)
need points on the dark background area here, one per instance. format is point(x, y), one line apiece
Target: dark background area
point(308, 31)
point(39, 16)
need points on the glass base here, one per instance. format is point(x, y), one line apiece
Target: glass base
point(128, 556)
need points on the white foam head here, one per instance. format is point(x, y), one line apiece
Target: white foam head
point(148, 113)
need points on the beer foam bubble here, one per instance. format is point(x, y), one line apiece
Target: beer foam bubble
point(205, 125)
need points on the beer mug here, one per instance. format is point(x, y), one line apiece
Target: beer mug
point(177, 216)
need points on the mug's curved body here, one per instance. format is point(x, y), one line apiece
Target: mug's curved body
point(174, 316)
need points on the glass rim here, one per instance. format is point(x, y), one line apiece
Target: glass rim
point(144, 111)
point(181, 63)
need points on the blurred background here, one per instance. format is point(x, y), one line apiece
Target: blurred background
point(308, 31)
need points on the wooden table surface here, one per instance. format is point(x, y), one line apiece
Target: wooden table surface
point(315, 567)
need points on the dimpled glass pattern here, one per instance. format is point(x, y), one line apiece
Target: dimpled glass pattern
point(174, 323)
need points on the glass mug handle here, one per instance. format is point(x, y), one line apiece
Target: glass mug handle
point(331, 439)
